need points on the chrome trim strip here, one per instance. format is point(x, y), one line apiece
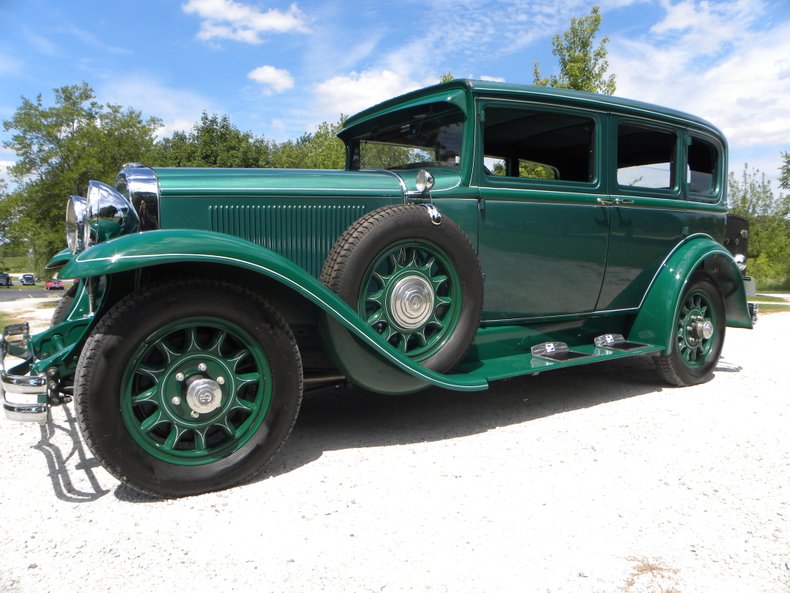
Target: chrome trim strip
point(230, 190)
point(401, 182)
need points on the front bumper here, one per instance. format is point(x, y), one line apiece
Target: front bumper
point(25, 396)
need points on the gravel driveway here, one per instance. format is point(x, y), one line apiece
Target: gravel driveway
point(595, 479)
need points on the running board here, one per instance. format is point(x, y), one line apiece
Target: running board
point(549, 356)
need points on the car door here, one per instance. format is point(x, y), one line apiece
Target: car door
point(647, 207)
point(543, 231)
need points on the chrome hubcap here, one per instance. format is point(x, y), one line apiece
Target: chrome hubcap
point(204, 396)
point(700, 329)
point(411, 302)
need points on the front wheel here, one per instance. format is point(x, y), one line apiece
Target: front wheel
point(187, 387)
point(697, 335)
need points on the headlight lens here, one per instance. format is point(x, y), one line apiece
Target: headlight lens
point(109, 215)
point(76, 210)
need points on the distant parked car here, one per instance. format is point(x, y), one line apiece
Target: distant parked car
point(5, 279)
point(28, 280)
point(54, 284)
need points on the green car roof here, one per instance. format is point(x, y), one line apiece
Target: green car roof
point(455, 89)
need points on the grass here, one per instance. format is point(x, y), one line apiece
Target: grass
point(764, 298)
point(773, 308)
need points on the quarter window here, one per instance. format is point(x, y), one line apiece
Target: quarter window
point(645, 157)
point(703, 160)
point(535, 144)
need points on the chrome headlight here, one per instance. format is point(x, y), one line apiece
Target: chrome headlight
point(424, 181)
point(76, 210)
point(109, 215)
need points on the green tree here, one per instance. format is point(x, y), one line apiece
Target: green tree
point(60, 148)
point(213, 142)
point(769, 228)
point(320, 150)
point(784, 171)
point(446, 77)
point(582, 66)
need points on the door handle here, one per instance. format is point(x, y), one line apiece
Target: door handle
point(620, 201)
point(605, 201)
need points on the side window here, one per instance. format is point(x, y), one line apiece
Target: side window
point(533, 144)
point(703, 164)
point(645, 157)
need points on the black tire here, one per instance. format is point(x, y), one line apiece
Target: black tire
point(694, 356)
point(436, 261)
point(63, 306)
point(125, 395)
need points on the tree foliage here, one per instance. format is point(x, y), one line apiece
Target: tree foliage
point(321, 149)
point(784, 171)
point(583, 67)
point(769, 228)
point(212, 142)
point(59, 149)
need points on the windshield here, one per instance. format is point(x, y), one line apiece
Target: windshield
point(428, 136)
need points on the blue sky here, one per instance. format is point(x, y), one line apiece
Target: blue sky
point(281, 68)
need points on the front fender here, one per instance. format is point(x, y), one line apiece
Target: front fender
point(61, 258)
point(654, 323)
point(171, 246)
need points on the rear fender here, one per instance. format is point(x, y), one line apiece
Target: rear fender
point(154, 248)
point(655, 320)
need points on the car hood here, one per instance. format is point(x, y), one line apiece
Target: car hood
point(294, 182)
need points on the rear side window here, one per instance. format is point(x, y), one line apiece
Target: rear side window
point(534, 144)
point(645, 157)
point(703, 165)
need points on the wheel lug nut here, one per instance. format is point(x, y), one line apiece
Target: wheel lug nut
point(220, 380)
point(194, 414)
point(179, 377)
point(202, 367)
point(176, 401)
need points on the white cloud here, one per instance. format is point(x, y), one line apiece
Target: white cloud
point(41, 44)
point(729, 73)
point(356, 91)
point(492, 78)
point(227, 19)
point(178, 109)
point(4, 166)
point(274, 80)
point(727, 62)
point(9, 65)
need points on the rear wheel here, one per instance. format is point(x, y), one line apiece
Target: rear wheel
point(188, 387)
point(697, 335)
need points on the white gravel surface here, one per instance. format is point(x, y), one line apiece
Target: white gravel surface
point(596, 479)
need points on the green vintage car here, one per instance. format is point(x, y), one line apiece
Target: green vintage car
point(479, 231)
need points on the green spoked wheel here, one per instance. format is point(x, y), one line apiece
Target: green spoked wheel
point(411, 295)
point(414, 279)
point(695, 333)
point(697, 336)
point(188, 386)
point(196, 391)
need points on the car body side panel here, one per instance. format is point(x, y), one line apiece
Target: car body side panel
point(162, 247)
